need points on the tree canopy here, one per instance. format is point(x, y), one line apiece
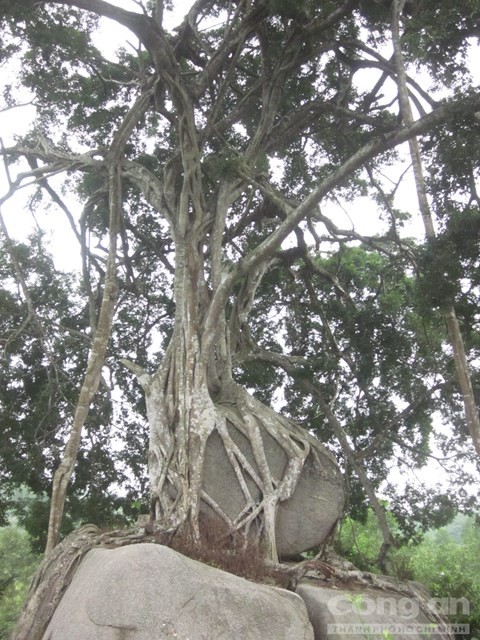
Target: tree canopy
point(217, 173)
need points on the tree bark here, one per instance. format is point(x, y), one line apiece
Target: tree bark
point(191, 396)
point(101, 338)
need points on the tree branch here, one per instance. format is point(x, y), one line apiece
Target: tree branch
point(101, 338)
point(384, 143)
point(293, 215)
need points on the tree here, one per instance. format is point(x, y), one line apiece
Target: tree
point(17, 564)
point(451, 320)
point(206, 160)
point(445, 561)
point(456, 563)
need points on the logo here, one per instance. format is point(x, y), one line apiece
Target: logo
point(400, 608)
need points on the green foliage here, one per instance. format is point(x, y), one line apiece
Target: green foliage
point(360, 542)
point(287, 100)
point(374, 307)
point(44, 359)
point(39, 364)
point(298, 12)
point(17, 565)
point(438, 35)
point(446, 560)
point(450, 568)
point(217, 166)
point(450, 270)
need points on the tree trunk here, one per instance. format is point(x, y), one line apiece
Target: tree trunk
point(197, 412)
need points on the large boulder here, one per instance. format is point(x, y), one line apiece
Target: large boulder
point(363, 612)
point(149, 592)
point(306, 519)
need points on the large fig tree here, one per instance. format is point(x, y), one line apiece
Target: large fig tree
point(208, 167)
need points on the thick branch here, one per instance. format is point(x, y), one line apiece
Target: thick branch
point(366, 153)
point(295, 215)
point(102, 334)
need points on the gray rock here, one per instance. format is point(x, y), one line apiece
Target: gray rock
point(362, 613)
point(305, 520)
point(149, 592)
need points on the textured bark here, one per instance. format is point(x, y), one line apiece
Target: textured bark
point(177, 458)
point(103, 328)
point(193, 395)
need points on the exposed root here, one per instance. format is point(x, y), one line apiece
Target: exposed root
point(177, 468)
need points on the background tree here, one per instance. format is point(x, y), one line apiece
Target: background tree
point(17, 564)
point(445, 561)
point(209, 164)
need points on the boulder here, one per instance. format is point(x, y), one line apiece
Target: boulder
point(150, 592)
point(307, 518)
point(356, 614)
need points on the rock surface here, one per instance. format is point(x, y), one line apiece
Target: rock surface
point(367, 613)
point(306, 519)
point(149, 592)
